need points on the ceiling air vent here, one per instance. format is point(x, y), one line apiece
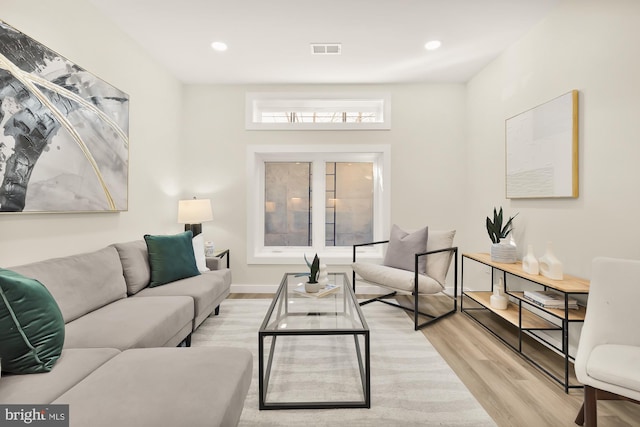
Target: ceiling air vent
point(326, 48)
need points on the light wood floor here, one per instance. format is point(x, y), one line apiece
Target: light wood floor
point(512, 391)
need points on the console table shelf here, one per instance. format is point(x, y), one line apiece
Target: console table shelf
point(524, 316)
point(512, 313)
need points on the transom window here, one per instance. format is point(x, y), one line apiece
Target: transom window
point(317, 111)
point(321, 200)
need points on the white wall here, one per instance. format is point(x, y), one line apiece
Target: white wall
point(79, 32)
point(447, 141)
point(427, 159)
point(588, 45)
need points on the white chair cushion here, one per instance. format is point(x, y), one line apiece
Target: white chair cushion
point(615, 364)
point(395, 278)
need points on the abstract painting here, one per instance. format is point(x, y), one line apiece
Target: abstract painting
point(64, 145)
point(542, 150)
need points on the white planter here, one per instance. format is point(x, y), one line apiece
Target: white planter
point(311, 288)
point(503, 252)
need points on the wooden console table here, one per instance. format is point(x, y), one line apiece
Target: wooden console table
point(525, 316)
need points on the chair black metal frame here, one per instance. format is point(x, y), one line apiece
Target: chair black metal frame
point(416, 312)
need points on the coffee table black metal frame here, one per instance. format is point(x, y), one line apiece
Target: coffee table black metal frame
point(280, 302)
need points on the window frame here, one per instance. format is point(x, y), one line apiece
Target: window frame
point(316, 102)
point(257, 253)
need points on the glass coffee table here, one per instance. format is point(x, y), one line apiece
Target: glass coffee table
point(314, 351)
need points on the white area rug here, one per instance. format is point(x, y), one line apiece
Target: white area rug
point(411, 385)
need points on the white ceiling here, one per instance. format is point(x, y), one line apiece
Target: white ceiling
point(382, 40)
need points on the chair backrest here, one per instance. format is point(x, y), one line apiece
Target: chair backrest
point(612, 315)
point(438, 264)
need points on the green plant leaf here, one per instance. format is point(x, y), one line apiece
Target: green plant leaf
point(491, 230)
point(306, 260)
point(495, 229)
point(315, 269)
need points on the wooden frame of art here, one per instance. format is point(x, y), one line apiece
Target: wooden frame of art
point(542, 150)
point(64, 145)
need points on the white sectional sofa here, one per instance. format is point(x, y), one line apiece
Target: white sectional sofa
point(119, 363)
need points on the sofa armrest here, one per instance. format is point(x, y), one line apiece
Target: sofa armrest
point(213, 263)
point(216, 262)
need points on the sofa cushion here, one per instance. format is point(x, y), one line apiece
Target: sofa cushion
point(80, 283)
point(135, 265)
point(133, 323)
point(31, 325)
point(611, 363)
point(203, 386)
point(171, 257)
point(41, 389)
point(395, 278)
point(403, 246)
point(207, 290)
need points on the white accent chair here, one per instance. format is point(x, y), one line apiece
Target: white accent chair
point(438, 253)
point(608, 357)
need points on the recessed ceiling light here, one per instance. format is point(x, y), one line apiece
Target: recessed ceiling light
point(433, 45)
point(219, 46)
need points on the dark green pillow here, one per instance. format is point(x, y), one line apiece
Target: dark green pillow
point(171, 257)
point(31, 325)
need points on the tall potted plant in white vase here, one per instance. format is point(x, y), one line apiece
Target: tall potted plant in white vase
point(501, 250)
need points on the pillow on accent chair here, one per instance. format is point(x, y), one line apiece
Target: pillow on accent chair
point(198, 251)
point(171, 257)
point(438, 264)
point(403, 246)
point(31, 325)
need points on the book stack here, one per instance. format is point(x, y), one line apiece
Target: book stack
point(328, 289)
point(549, 299)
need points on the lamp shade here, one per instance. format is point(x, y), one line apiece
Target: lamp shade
point(194, 211)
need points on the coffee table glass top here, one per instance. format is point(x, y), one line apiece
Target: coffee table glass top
point(294, 309)
point(303, 332)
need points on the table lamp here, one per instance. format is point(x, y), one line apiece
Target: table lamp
point(192, 213)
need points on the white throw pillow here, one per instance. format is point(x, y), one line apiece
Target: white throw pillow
point(198, 251)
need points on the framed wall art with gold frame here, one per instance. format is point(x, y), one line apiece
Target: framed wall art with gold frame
point(542, 150)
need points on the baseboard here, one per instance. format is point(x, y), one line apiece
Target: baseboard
point(271, 289)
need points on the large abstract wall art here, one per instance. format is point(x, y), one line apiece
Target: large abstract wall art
point(64, 145)
point(542, 150)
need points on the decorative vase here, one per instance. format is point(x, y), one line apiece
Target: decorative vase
point(323, 275)
point(530, 263)
point(209, 249)
point(311, 288)
point(499, 300)
point(550, 266)
point(503, 252)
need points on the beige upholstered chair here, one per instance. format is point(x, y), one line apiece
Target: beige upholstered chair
point(413, 280)
point(608, 358)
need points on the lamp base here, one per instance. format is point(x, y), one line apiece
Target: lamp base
point(195, 228)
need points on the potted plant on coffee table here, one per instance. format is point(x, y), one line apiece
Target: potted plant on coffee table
point(312, 285)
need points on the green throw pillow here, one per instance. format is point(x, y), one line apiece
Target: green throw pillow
point(171, 258)
point(31, 325)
